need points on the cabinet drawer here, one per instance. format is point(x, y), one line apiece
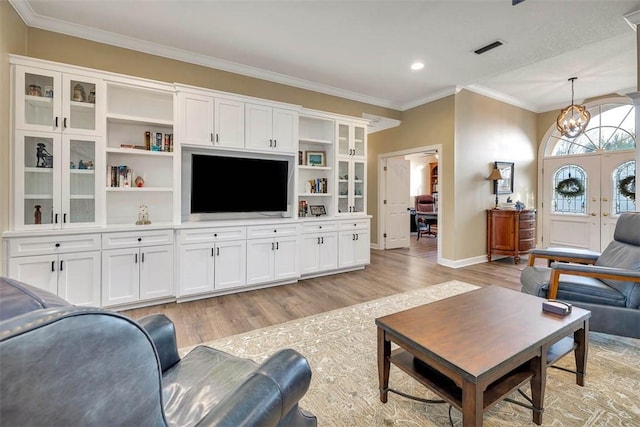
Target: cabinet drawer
point(131, 239)
point(314, 227)
point(527, 234)
point(527, 216)
point(527, 224)
point(527, 245)
point(27, 246)
point(354, 224)
point(260, 232)
point(209, 235)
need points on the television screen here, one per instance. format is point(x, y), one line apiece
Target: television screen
point(236, 184)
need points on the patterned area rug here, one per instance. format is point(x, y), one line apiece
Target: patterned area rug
point(341, 348)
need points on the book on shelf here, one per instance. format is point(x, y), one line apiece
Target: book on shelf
point(119, 176)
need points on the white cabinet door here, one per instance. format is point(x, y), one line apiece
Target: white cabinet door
point(196, 269)
point(328, 255)
point(259, 127)
point(120, 276)
point(285, 130)
point(346, 251)
point(79, 278)
point(260, 256)
point(229, 123)
point(156, 272)
point(286, 258)
point(34, 110)
point(230, 261)
point(40, 271)
point(310, 254)
point(196, 119)
point(362, 248)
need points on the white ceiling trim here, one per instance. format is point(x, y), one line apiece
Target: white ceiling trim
point(501, 97)
point(37, 21)
point(633, 19)
point(433, 97)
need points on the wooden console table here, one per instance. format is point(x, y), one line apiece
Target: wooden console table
point(510, 232)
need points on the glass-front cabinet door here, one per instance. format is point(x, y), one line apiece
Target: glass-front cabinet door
point(351, 140)
point(351, 186)
point(50, 101)
point(56, 184)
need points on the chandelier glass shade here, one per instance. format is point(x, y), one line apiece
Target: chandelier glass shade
point(573, 120)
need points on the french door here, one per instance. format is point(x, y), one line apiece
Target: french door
point(582, 200)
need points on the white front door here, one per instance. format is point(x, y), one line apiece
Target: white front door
point(586, 220)
point(397, 226)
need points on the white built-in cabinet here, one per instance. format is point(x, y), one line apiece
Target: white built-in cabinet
point(209, 121)
point(351, 168)
point(319, 247)
point(270, 128)
point(272, 253)
point(137, 266)
point(211, 259)
point(68, 266)
point(93, 151)
point(354, 243)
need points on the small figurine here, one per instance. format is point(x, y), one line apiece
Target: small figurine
point(143, 215)
point(78, 93)
point(139, 181)
point(82, 165)
point(72, 165)
point(43, 157)
point(89, 164)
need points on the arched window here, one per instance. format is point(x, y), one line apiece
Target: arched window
point(570, 189)
point(624, 188)
point(611, 128)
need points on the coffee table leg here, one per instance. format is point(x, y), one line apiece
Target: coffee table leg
point(384, 352)
point(581, 338)
point(472, 404)
point(538, 384)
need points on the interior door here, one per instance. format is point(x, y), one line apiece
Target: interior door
point(397, 184)
point(585, 221)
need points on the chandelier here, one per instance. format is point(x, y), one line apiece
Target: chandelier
point(574, 119)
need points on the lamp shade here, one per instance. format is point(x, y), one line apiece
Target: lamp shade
point(495, 175)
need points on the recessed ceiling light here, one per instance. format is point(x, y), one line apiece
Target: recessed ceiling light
point(417, 66)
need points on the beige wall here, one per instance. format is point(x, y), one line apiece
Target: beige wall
point(487, 130)
point(13, 39)
point(428, 124)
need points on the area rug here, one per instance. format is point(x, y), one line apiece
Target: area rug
point(341, 348)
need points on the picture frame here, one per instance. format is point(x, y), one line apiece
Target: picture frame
point(317, 210)
point(504, 185)
point(315, 158)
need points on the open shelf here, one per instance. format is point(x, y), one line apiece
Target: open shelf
point(137, 152)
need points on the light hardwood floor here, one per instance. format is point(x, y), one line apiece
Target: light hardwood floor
point(390, 272)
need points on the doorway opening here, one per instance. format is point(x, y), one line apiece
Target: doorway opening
point(408, 174)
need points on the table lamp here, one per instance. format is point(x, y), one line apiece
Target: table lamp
point(496, 175)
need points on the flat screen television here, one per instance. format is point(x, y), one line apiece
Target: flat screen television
point(237, 184)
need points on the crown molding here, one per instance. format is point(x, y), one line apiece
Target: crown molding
point(633, 19)
point(32, 19)
point(430, 98)
point(502, 97)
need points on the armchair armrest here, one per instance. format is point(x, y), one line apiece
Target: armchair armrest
point(581, 256)
point(163, 334)
point(598, 272)
point(267, 395)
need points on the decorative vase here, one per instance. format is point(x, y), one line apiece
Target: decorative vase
point(37, 215)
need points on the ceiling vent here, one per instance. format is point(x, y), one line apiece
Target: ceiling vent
point(515, 2)
point(488, 47)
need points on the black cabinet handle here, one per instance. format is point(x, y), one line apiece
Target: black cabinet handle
point(318, 240)
point(56, 216)
point(277, 245)
point(142, 256)
point(64, 218)
point(272, 246)
point(322, 240)
point(135, 258)
point(218, 251)
point(139, 239)
point(217, 137)
point(271, 143)
point(211, 136)
point(56, 121)
point(357, 236)
point(275, 143)
point(57, 245)
point(53, 266)
point(211, 251)
point(353, 237)
point(61, 265)
point(64, 123)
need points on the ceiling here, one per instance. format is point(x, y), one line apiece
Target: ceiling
point(362, 50)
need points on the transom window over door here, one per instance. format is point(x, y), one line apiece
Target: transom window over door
point(589, 180)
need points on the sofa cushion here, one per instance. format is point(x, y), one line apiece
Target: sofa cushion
point(535, 280)
point(626, 256)
point(198, 383)
point(17, 298)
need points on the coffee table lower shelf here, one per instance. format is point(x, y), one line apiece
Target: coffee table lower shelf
point(447, 389)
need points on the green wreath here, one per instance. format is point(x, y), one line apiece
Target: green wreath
point(570, 187)
point(627, 187)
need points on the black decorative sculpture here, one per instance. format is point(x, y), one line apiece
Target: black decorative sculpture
point(44, 158)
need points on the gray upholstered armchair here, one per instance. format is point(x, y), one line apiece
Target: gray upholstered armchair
point(62, 365)
point(608, 284)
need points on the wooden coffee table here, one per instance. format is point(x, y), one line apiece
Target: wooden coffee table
point(475, 348)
